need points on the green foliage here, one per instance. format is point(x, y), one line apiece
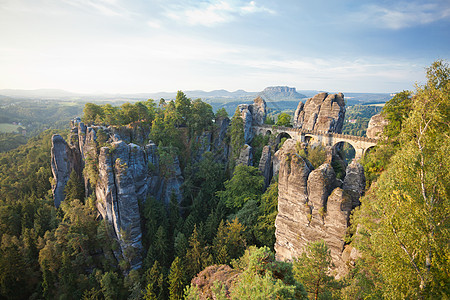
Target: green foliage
point(175, 278)
point(74, 188)
point(258, 143)
point(396, 111)
point(200, 117)
point(9, 141)
point(221, 113)
point(284, 120)
point(357, 119)
point(236, 133)
point(125, 114)
point(92, 113)
point(315, 154)
point(268, 210)
point(183, 107)
point(196, 256)
point(155, 283)
point(404, 218)
point(265, 278)
point(229, 242)
point(246, 184)
point(110, 285)
point(312, 269)
point(269, 120)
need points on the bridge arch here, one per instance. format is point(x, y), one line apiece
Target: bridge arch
point(280, 137)
point(345, 150)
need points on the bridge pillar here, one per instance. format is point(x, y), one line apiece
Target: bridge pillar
point(359, 153)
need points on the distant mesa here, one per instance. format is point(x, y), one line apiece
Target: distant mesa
point(280, 93)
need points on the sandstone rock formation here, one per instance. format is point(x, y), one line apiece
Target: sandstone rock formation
point(246, 115)
point(120, 174)
point(246, 156)
point(259, 111)
point(322, 112)
point(376, 126)
point(355, 182)
point(220, 147)
point(312, 205)
point(252, 115)
point(64, 160)
point(265, 165)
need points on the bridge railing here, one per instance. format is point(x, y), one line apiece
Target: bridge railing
point(318, 132)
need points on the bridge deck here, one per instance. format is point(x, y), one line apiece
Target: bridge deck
point(317, 132)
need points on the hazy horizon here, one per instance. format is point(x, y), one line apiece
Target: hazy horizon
point(128, 47)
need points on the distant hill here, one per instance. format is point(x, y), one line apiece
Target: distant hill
point(280, 97)
point(280, 93)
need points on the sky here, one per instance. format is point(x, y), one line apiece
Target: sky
point(130, 46)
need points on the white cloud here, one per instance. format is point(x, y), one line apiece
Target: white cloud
point(405, 14)
point(214, 12)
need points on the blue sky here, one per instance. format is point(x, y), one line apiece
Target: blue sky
point(124, 46)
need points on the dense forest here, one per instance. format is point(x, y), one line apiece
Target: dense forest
point(224, 225)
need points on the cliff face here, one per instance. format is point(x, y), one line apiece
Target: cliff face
point(376, 126)
point(322, 112)
point(120, 174)
point(64, 159)
point(313, 205)
point(252, 115)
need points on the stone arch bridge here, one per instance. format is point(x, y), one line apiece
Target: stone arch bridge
point(359, 143)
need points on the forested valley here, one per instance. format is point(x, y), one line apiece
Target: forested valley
point(218, 241)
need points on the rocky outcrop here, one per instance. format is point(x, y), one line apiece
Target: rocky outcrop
point(252, 115)
point(376, 126)
point(322, 112)
point(247, 117)
point(265, 165)
point(355, 182)
point(246, 156)
point(64, 159)
point(259, 111)
point(313, 206)
point(120, 174)
point(220, 145)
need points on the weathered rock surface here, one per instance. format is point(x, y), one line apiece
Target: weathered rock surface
point(64, 160)
point(312, 206)
point(322, 112)
point(127, 173)
point(252, 115)
point(259, 111)
point(247, 117)
point(376, 126)
point(206, 279)
point(220, 146)
point(265, 165)
point(246, 156)
point(355, 182)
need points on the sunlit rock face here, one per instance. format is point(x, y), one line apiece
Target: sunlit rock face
point(314, 205)
point(324, 112)
point(120, 173)
point(376, 126)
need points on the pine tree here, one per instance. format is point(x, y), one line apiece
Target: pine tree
point(176, 280)
point(74, 188)
point(312, 268)
point(196, 255)
point(237, 138)
point(155, 282)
